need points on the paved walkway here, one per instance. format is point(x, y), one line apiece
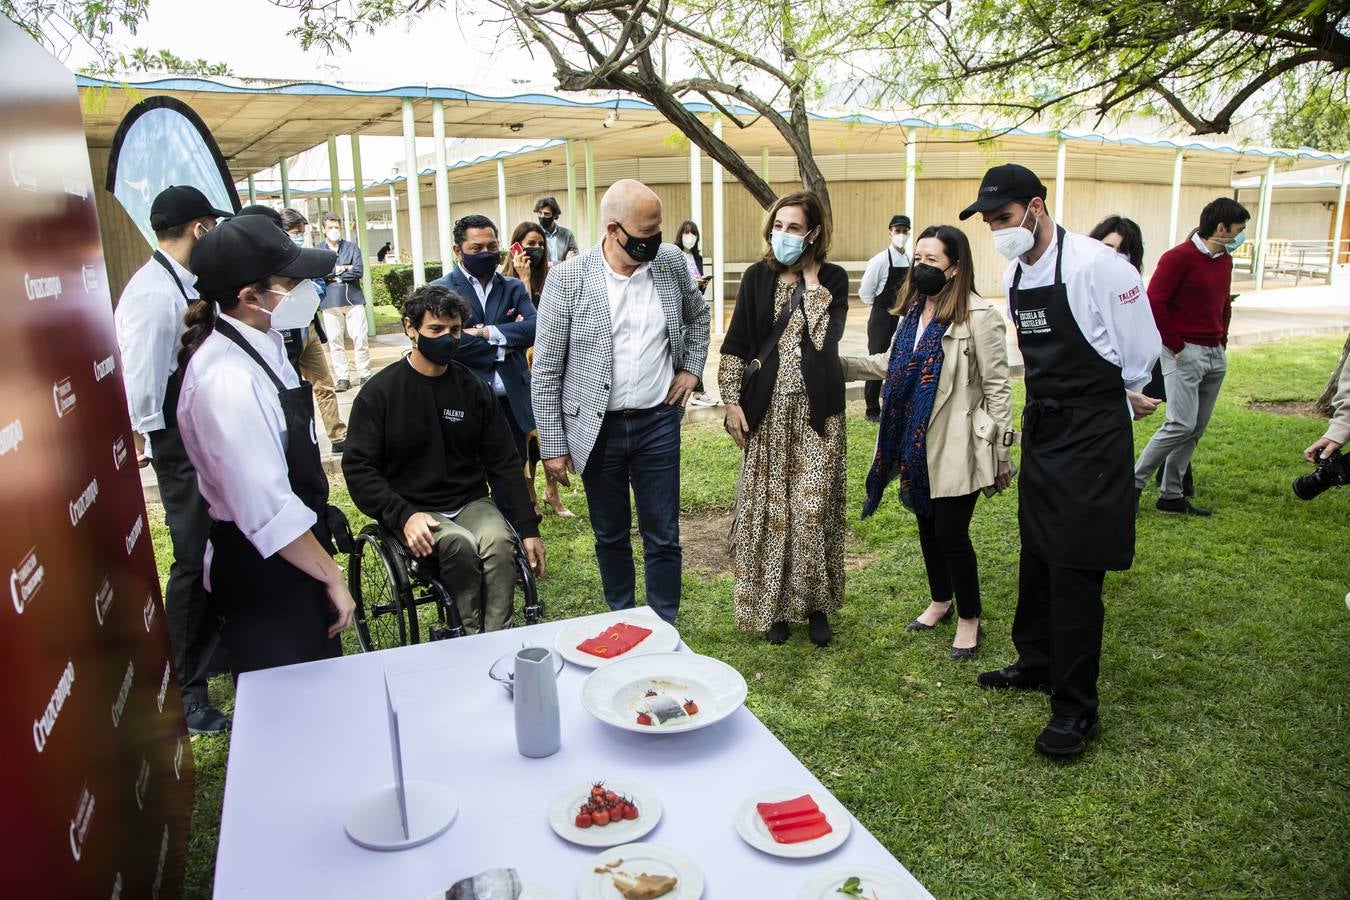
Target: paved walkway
point(1258, 318)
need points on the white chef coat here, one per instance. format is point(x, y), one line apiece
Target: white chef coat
point(1107, 299)
point(235, 434)
point(643, 368)
point(149, 322)
point(878, 268)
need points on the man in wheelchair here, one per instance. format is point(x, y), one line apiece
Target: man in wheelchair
point(425, 439)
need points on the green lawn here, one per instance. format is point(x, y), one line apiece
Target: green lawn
point(1221, 768)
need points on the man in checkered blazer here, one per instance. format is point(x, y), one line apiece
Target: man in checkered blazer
point(620, 343)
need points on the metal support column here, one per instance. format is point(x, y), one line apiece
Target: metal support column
point(443, 232)
point(419, 262)
point(719, 242)
point(361, 235)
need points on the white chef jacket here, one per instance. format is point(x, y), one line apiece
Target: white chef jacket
point(235, 434)
point(149, 322)
point(1107, 299)
point(643, 368)
point(878, 268)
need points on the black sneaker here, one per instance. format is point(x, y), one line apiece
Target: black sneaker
point(343, 385)
point(203, 718)
point(1011, 678)
point(1181, 505)
point(1067, 735)
point(778, 633)
point(339, 446)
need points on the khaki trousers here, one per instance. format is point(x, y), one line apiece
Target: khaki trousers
point(314, 369)
point(476, 556)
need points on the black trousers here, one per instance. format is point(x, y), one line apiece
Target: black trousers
point(193, 633)
point(273, 614)
point(516, 434)
point(948, 554)
point(1058, 631)
point(881, 327)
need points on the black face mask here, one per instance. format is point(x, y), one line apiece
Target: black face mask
point(928, 280)
point(439, 350)
point(546, 222)
point(641, 249)
point(535, 255)
point(481, 265)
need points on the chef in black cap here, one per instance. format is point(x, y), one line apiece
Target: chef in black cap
point(1088, 345)
point(881, 282)
point(248, 423)
point(149, 321)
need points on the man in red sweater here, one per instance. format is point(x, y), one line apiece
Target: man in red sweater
point(1189, 293)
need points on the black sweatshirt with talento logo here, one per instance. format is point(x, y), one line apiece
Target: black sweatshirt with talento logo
point(420, 444)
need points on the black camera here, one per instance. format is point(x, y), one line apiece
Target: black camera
point(1332, 471)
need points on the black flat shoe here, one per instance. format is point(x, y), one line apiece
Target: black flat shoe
point(203, 718)
point(1181, 505)
point(778, 633)
point(916, 625)
point(819, 629)
point(1067, 735)
point(1011, 678)
point(964, 653)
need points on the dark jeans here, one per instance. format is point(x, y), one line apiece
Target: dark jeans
point(640, 448)
point(948, 554)
point(881, 327)
point(193, 633)
point(1058, 631)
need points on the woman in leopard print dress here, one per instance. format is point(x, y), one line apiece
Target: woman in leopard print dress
point(788, 417)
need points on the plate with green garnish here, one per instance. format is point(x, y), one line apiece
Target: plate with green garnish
point(846, 882)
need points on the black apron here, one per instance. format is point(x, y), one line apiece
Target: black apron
point(275, 614)
point(881, 324)
point(1076, 498)
point(169, 408)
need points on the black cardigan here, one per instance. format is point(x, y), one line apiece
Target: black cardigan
point(750, 326)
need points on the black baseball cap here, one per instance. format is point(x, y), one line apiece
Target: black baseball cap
point(1002, 185)
point(179, 203)
point(247, 249)
point(260, 209)
point(898, 219)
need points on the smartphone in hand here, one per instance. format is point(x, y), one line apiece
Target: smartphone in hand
point(516, 249)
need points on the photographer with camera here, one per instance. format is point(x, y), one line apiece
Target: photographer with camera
point(1333, 470)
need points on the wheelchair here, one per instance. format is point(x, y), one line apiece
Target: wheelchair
point(401, 599)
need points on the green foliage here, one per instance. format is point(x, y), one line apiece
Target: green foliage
point(61, 24)
point(1316, 116)
point(398, 282)
point(1219, 772)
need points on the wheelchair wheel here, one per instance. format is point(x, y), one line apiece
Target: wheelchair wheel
point(532, 608)
point(378, 592)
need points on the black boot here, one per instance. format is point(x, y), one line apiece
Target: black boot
point(820, 629)
point(778, 633)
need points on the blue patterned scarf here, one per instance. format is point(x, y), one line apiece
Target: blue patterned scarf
point(906, 405)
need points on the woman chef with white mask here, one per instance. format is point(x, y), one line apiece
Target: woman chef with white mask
point(247, 421)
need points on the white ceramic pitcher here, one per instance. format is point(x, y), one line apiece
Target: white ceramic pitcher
point(538, 729)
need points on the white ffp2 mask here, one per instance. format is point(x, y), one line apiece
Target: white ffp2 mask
point(1013, 242)
point(297, 306)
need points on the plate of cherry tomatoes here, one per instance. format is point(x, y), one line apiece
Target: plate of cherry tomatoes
point(604, 813)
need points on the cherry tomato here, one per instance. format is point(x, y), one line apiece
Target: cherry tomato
point(644, 719)
point(630, 811)
point(583, 819)
point(690, 707)
point(600, 817)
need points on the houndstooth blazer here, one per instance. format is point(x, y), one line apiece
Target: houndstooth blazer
point(574, 345)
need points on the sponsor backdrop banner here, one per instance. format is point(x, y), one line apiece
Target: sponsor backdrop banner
point(95, 766)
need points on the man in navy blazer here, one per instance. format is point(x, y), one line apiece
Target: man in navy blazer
point(500, 327)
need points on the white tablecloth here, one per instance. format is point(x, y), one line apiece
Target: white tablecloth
point(310, 740)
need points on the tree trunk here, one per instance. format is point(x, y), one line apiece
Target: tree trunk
point(1323, 404)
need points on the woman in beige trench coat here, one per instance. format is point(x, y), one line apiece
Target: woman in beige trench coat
point(946, 417)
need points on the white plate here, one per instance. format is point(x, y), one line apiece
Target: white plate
point(616, 693)
point(663, 639)
point(884, 884)
point(751, 827)
point(637, 859)
point(562, 815)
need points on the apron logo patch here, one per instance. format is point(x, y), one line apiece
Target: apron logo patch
point(1130, 296)
point(1032, 321)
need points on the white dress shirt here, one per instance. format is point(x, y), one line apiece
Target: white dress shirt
point(497, 339)
point(1203, 247)
point(1107, 299)
point(643, 368)
point(149, 321)
point(554, 244)
point(235, 434)
point(878, 269)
